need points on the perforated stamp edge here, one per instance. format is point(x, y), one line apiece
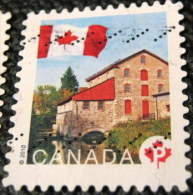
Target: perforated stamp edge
point(3, 47)
point(94, 175)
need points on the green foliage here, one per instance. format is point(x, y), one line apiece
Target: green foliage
point(69, 81)
point(43, 117)
point(41, 127)
point(44, 108)
point(48, 97)
point(132, 134)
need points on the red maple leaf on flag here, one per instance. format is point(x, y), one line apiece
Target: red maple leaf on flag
point(67, 38)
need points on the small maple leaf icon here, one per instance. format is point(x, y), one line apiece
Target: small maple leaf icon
point(149, 154)
point(167, 154)
point(67, 38)
point(158, 144)
point(158, 153)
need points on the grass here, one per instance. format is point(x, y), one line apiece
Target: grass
point(132, 134)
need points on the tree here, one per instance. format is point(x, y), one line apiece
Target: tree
point(69, 81)
point(66, 93)
point(45, 99)
point(36, 103)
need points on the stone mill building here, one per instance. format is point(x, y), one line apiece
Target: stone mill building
point(132, 89)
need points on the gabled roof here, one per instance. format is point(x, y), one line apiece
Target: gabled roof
point(117, 63)
point(65, 100)
point(68, 99)
point(102, 91)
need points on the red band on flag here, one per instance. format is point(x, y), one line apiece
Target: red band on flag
point(96, 40)
point(44, 41)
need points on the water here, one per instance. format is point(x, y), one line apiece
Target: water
point(91, 148)
point(80, 150)
point(85, 149)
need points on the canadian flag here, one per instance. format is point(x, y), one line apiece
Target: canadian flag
point(61, 40)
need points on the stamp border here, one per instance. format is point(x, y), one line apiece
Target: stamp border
point(3, 47)
point(98, 8)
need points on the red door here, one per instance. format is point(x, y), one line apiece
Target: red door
point(145, 109)
point(128, 109)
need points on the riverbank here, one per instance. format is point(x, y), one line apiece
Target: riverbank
point(132, 134)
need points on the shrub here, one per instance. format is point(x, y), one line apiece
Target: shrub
point(132, 134)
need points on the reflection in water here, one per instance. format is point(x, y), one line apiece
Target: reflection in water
point(91, 148)
point(78, 152)
point(79, 149)
point(90, 144)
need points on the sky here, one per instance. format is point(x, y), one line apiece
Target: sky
point(50, 70)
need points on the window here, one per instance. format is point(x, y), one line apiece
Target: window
point(160, 88)
point(143, 59)
point(126, 73)
point(168, 108)
point(144, 75)
point(128, 109)
point(127, 88)
point(101, 105)
point(159, 73)
point(86, 105)
point(144, 90)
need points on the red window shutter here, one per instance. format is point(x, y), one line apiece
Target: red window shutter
point(144, 90)
point(144, 75)
point(128, 109)
point(145, 109)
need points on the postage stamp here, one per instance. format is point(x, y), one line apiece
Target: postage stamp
point(100, 100)
point(3, 37)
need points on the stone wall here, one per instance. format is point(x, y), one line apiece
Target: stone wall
point(163, 107)
point(152, 65)
point(62, 111)
point(102, 78)
point(93, 118)
point(79, 120)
